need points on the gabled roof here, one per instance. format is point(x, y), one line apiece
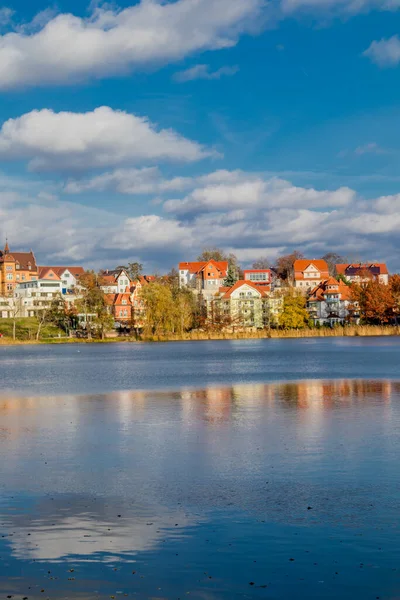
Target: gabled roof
point(227, 292)
point(301, 264)
point(48, 273)
point(75, 271)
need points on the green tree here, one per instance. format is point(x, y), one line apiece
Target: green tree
point(294, 314)
point(134, 270)
point(231, 277)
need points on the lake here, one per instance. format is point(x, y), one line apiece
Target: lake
point(209, 470)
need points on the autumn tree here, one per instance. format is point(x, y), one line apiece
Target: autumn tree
point(294, 314)
point(394, 283)
point(284, 264)
point(375, 301)
point(92, 304)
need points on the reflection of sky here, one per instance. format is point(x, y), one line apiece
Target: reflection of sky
point(196, 472)
point(67, 527)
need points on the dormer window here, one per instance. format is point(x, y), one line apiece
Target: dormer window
point(17, 266)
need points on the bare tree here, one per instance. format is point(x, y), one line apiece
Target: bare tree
point(14, 308)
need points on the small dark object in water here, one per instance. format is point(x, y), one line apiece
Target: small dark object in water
point(251, 583)
point(291, 559)
point(309, 507)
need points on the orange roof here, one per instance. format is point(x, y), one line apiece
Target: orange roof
point(48, 273)
point(227, 292)
point(196, 267)
point(320, 291)
point(302, 263)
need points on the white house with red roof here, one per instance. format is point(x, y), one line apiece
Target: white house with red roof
point(69, 276)
point(115, 282)
point(330, 303)
point(244, 304)
point(307, 273)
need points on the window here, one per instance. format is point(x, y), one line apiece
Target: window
point(9, 268)
point(9, 287)
point(17, 266)
point(66, 274)
point(182, 272)
point(9, 276)
point(124, 301)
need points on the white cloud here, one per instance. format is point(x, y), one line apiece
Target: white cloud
point(349, 7)
point(385, 53)
point(266, 217)
point(5, 15)
point(203, 72)
point(68, 48)
point(252, 191)
point(101, 138)
point(129, 181)
point(370, 148)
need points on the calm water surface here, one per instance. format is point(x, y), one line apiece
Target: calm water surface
point(260, 469)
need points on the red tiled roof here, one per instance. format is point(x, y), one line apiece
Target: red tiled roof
point(196, 267)
point(302, 263)
point(48, 273)
point(320, 291)
point(227, 292)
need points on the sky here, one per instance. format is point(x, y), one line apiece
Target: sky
point(145, 131)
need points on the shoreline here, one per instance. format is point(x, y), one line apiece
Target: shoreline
point(194, 336)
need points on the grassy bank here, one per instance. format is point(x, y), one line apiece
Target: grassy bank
point(26, 330)
point(51, 335)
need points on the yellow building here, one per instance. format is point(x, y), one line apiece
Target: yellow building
point(15, 267)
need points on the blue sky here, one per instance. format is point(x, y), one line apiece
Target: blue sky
point(147, 130)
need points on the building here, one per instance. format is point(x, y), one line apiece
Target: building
point(364, 272)
point(307, 274)
point(258, 276)
point(37, 295)
point(15, 268)
point(203, 277)
point(120, 307)
point(244, 305)
point(114, 282)
point(69, 277)
point(330, 303)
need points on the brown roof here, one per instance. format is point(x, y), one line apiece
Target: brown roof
point(24, 259)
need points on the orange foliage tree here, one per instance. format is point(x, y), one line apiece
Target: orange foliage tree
point(375, 301)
